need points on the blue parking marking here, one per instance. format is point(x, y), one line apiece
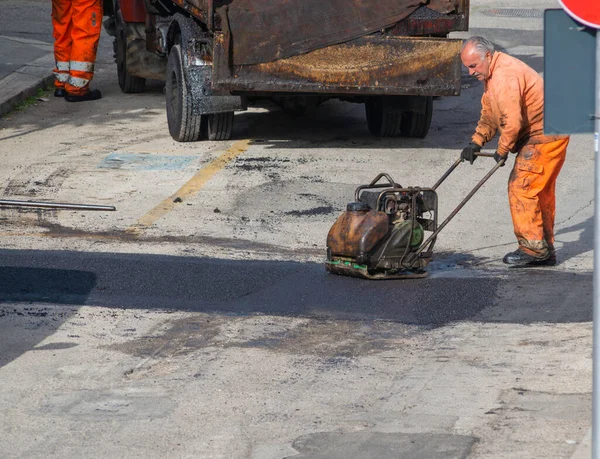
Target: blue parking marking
point(145, 162)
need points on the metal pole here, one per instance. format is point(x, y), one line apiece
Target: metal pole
point(596, 314)
point(54, 205)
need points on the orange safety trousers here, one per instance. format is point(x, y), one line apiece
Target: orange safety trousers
point(531, 194)
point(76, 31)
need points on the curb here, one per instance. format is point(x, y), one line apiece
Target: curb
point(25, 82)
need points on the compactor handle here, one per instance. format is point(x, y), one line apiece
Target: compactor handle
point(455, 165)
point(440, 227)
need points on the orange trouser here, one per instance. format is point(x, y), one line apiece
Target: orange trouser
point(77, 25)
point(531, 194)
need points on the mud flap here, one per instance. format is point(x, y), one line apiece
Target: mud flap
point(205, 102)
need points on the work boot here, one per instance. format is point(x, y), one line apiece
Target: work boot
point(60, 92)
point(551, 261)
point(94, 94)
point(519, 258)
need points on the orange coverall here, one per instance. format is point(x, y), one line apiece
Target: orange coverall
point(77, 25)
point(513, 105)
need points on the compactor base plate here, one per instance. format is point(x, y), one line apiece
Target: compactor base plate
point(349, 268)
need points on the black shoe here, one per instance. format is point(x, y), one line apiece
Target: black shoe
point(94, 94)
point(550, 261)
point(520, 258)
point(60, 92)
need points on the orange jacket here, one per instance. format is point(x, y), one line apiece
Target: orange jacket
point(513, 104)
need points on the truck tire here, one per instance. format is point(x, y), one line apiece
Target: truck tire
point(217, 126)
point(184, 125)
point(416, 124)
point(129, 84)
point(381, 120)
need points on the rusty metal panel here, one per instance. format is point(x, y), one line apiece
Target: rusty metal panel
point(425, 21)
point(204, 11)
point(196, 8)
point(133, 10)
point(265, 30)
point(439, 26)
point(198, 3)
point(368, 65)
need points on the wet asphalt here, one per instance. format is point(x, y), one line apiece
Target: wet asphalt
point(135, 281)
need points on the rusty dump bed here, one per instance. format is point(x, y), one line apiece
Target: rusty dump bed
point(369, 65)
point(348, 47)
point(260, 31)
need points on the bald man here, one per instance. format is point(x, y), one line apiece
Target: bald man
point(513, 107)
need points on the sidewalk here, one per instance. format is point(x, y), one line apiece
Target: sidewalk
point(25, 66)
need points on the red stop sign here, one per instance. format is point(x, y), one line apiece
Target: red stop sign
point(585, 11)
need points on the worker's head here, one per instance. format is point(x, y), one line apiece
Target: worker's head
point(476, 56)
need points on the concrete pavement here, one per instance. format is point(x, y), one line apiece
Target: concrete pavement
point(25, 66)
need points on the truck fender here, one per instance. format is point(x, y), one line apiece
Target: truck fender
point(196, 50)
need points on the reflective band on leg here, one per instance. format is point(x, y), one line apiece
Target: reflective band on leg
point(78, 82)
point(62, 66)
point(82, 66)
point(62, 77)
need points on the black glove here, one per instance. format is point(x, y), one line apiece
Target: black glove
point(468, 153)
point(498, 157)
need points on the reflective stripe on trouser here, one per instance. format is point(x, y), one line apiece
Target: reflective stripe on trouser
point(77, 25)
point(82, 68)
point(531, 194)
point(61, 74)
point(76, 82)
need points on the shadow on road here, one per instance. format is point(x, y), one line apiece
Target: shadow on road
point(234, 287)
point(60, 286)
point(282, 288)
point(584, 242)
point(50, 286)
point(54, 280)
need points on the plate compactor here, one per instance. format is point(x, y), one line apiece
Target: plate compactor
point(382, 233)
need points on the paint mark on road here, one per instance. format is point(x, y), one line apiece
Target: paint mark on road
point(145, 162)
point(193, 186)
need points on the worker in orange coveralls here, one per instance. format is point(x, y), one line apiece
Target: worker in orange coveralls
point(77, 25)
point(513, 105)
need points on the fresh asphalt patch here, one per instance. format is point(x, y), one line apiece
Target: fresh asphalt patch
point(244, 287)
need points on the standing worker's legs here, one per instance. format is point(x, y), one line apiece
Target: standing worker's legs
point(557, 151)
point(61, 31)
point(531, 193)
point(85, 32)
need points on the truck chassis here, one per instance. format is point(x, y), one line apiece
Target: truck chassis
point(395, 72)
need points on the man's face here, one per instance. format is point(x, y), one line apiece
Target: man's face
point(477, 63)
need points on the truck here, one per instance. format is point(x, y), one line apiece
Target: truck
point(217, 56)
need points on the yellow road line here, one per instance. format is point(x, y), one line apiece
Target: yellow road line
point(193, 186)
